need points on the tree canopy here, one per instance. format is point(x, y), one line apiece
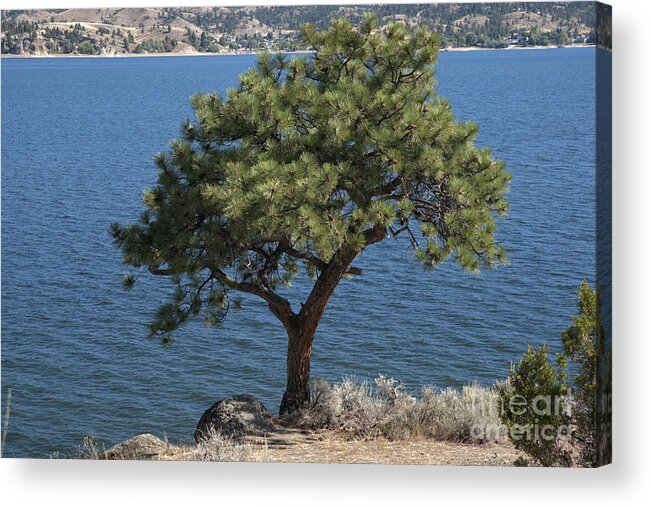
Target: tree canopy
point(303, 165)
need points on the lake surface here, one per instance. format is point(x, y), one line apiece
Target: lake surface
point(77, 140)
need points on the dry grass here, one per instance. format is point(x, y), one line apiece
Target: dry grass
point(385, 409)
point(151, 448)
point(219, 447)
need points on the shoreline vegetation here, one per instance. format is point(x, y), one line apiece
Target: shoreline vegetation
point(348, 422)
point(242, 53)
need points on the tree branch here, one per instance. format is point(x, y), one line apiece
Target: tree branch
point(388, 187)
point(277, 304)
point(317, 262)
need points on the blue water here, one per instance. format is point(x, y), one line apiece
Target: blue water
point(77, 140)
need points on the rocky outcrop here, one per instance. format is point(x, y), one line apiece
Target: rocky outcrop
point(235, 417)
point(145, 446)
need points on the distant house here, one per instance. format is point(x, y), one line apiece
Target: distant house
point(516, 39)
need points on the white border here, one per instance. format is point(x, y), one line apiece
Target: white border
point(26, 482)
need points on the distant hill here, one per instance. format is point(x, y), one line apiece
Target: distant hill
point(189, 30)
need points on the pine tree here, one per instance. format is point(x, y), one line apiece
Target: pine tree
point(303, 166)
point(579, 345)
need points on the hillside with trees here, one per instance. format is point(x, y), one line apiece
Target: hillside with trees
point(188, 30)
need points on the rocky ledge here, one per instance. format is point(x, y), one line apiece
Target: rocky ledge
point(235, 417)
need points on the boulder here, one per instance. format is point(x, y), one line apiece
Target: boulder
point(235, 417)
point(145, 446)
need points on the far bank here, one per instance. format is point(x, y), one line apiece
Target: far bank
point(241, 53)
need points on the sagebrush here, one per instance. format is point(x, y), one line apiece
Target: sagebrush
point(384, 408)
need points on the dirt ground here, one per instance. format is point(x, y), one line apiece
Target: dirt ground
point(331, 447)
point(325, 446)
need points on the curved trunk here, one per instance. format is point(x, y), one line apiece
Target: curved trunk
point(301, 327)
point(300, 331)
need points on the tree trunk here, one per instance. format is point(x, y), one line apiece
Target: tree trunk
point(299, 351)
point(300, 330)
point(302, 326)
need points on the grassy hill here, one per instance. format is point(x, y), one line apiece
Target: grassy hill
point(189, 30)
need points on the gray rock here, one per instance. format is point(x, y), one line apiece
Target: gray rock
point(145, 446)
point(235, 417)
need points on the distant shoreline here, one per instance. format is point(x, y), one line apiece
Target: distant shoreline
point(148, 55)
point(516, 48)
point(241, 53)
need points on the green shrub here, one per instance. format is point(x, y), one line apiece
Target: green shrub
point(579, 342)
point(547, 416)
point(87, 48)
point(534, 407)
